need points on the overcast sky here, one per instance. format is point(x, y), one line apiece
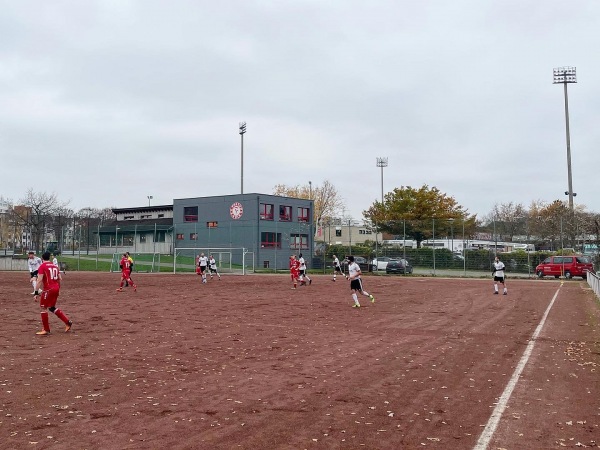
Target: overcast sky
point(107, 102)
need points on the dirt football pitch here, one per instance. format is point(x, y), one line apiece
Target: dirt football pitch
point(248, 363)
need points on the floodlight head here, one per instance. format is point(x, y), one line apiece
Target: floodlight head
point(382, 162)
point(565, 75)
point(242, 127)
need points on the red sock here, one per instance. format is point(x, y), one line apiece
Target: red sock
point(45, 322)
point(61, 315)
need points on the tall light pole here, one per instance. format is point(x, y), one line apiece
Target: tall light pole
point(150, 197)
point(382, 162)
point(242, 132)
point(564, 76)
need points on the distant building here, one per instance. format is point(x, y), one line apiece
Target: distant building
point(271, 227)
point(267, 227)
point(346, 232)
point(146, 229)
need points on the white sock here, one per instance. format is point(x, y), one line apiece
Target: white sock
point(495, 288)
point(355, 298)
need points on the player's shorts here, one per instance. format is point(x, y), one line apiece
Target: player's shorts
point(294, 275)
point(48, 298)
point(302, 272)
point(337, 269)
point(34, 274)
point(202, 269)
point(356, 284)
point(500, 279)
point(212, 270)
point(126, 274)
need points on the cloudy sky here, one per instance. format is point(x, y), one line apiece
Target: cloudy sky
point(106, 102)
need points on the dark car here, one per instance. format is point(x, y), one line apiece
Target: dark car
point(398, 266)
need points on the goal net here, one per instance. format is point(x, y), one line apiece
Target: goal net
point(144, 262)
point(237, 260)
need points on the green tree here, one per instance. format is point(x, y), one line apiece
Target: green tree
point(415, 211)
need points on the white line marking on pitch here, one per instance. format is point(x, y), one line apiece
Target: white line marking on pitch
point(490, 428)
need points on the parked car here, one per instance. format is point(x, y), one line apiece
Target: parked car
point(380, 263)
point(567, 266)
point(398, 266)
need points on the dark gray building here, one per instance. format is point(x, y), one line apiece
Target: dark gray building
point(270, 227)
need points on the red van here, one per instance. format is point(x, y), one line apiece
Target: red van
point(567, 266)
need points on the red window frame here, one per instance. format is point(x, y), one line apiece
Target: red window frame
point(180, 237)
point(266, 211)
point(190, 214)
point(193, 236)
point(270, 240)
point(285, 213)
point(303, 214)
point(299, 241)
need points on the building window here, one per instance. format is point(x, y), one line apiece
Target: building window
point(212, 224)
point(299, 241)
point(266, 211)
point(285, 213)
point(180, 236)
point(146, 216)
point(160, 216)
point(270, 240)
point(338, 232)
point(364, 232)
point(193, 236)
point(128, 217)
point(142, 238)
point(190, 214)
point(303, 215)
point(161, 236)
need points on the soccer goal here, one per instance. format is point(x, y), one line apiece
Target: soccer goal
point(143, 262)
point(237, 260)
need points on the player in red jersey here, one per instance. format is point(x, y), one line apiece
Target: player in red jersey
point(294, 270)
point(49, 277)
point(125, 265)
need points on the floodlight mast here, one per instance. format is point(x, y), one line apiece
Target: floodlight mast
point(382, 162)
point(564, 76)
point(242, 132)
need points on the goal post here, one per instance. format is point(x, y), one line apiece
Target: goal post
point(233, 260)
point(142, 262)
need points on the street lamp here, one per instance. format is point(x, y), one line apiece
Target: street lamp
point(242, 132)
point(149, 198)
point(564, 76)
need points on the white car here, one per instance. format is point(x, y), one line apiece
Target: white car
point(380, 263)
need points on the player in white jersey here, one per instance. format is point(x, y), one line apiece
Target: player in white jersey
point(303, 276)
point(336, 267)
point(212, 267)
point(499, 276)
point(203, 264)
point(356, 282)
point(33, 263)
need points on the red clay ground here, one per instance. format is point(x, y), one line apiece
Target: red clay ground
point(248, 363)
